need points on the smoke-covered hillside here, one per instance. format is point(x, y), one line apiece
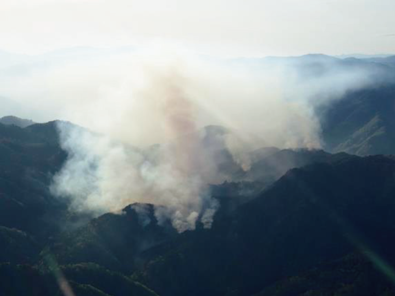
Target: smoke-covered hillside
point(293, 196)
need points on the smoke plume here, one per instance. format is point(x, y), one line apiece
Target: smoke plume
point(133, 101)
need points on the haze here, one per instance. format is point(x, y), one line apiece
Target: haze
point(219, 27)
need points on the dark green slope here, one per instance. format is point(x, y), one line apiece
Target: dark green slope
point(311, 215)
point(115, 241)
point(83, 279)
point(28, 159)
point(17, 246)
point(110, 282)
point(269, 168)
point(352, 275)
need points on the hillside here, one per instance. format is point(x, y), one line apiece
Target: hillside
point(311, 215)
point(361, 123)
point(294, 222)
point(294, 211)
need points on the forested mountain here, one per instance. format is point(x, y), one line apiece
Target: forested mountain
point(296, 222)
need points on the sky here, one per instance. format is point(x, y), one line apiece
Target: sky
point(217, 27)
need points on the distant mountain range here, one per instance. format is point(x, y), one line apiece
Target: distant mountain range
point(298, 222)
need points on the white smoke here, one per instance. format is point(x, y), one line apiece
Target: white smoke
point(102, 175)
point(135, 100)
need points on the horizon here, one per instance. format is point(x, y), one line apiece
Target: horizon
point(120, 49)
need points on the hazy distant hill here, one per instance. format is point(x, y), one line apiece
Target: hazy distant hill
point(13, 120)
point(362, 122)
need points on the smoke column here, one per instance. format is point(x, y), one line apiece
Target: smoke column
point(135, 101)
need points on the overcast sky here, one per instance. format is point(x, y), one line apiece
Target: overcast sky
point(219, 27)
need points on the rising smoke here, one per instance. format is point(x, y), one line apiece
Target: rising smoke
point(137, 100)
